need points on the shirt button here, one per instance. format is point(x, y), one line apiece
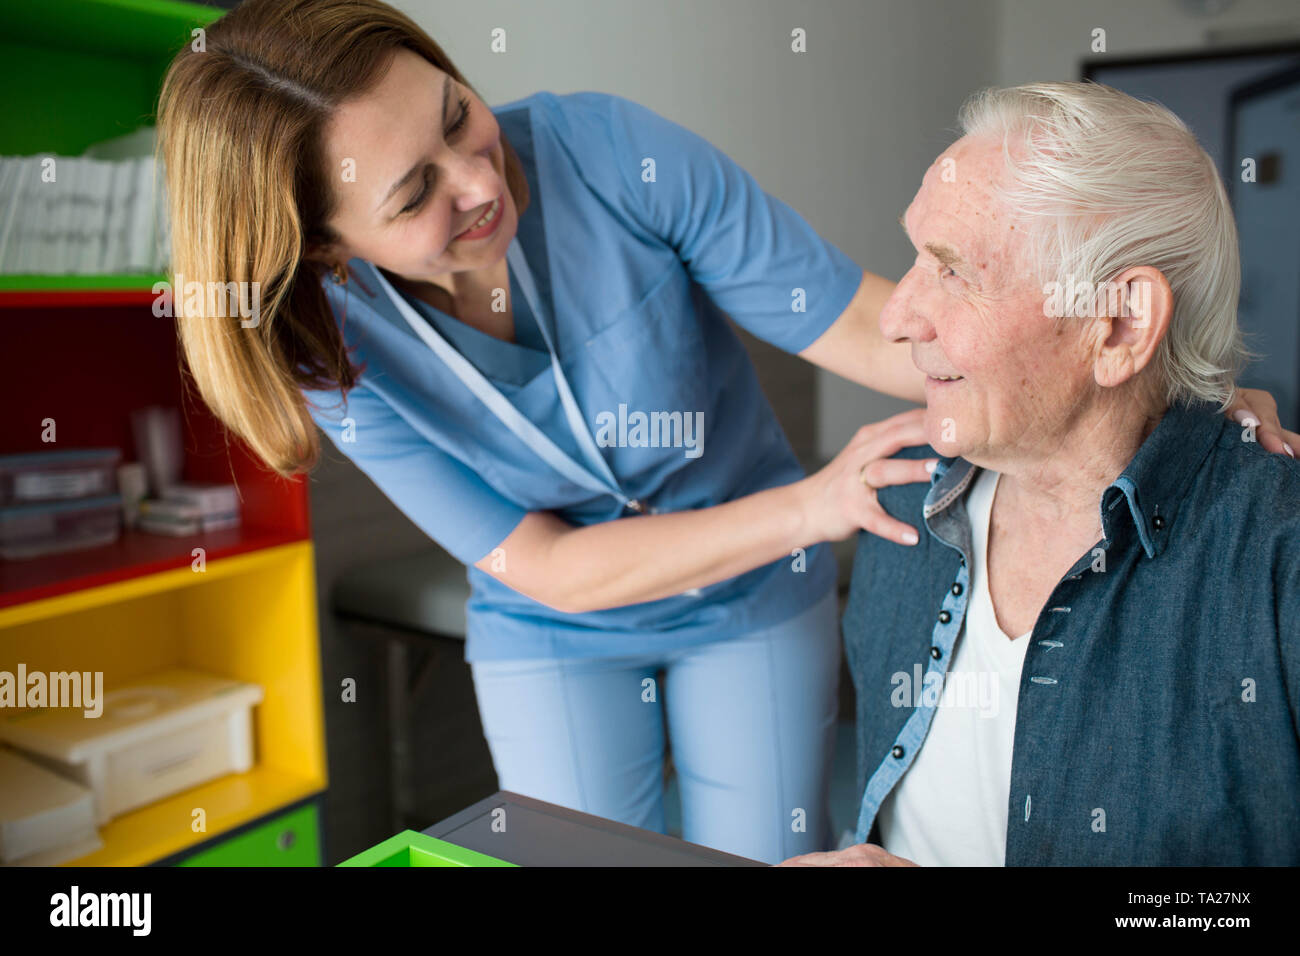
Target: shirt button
point(944, 617)
point(897, 752)
point(1158, 522)
point(956, 588)
point(936, 653)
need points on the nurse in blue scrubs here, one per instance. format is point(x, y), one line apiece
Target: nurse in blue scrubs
point(586, 433)
point(552, 393)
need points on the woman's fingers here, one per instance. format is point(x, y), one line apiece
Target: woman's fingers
point(1257, 408)
point(1274, 439)
point(882, 473)
point(1292, 440)
point(897, 471)
point(875, 520)
point(868, 457)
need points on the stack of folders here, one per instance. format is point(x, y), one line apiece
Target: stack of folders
point(102, 212)
point(189, 508)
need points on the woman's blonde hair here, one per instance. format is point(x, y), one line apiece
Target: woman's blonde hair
point(240, 136)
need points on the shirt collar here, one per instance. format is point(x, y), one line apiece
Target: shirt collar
point(1152, 484)
point(1155, 480)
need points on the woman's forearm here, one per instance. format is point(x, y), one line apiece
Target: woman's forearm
point(647, 557)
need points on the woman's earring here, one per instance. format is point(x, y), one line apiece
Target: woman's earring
point(339, 275)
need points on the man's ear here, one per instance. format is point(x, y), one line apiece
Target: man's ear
point(1135, 314)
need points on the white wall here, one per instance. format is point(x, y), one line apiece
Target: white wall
point(1048, 40)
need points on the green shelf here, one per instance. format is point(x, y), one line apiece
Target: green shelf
point(410, 848)
point(85, 71)
point(139, 281)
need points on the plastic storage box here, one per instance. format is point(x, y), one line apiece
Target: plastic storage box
point(58, 475)
point(44, 818)
point(166, 733)
point(29, 531)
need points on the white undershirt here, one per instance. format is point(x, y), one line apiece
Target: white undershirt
point(950, 807)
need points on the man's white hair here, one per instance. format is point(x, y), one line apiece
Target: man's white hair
point(1105, 182)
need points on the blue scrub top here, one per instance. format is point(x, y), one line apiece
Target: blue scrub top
point(640, 235)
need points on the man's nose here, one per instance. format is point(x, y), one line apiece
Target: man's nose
point(903, 316)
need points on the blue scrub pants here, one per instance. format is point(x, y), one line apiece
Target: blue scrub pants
point(752, 721)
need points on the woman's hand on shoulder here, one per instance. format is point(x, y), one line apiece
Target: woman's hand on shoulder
point(840, 499)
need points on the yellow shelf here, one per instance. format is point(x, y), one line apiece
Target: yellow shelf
point(250, 617)
point(164, 828)
point(250, 562)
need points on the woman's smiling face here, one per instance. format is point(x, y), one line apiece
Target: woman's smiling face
point(416, 162)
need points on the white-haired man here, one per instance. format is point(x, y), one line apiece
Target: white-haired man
point(1112, 569)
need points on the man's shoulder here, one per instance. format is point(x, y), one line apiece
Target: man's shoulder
point(1260, 487)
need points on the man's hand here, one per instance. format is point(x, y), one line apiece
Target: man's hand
point(1257, 406)
point(862, 854)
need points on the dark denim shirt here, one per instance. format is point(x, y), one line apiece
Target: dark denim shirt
point(1157, 716)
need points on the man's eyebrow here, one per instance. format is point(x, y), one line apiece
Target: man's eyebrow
point(414, 170)
point(946, 256)
point(943, 253)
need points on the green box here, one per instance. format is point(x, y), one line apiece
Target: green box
point(291, 839)
point(410, 848)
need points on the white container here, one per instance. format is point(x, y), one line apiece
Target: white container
point(133, 484)
point(44, 818)
point(160, 735)
point(164, 516)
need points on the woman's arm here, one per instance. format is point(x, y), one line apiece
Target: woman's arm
point(647, 557)
point(854, 348)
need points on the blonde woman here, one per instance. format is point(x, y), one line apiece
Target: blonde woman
point(511, 319)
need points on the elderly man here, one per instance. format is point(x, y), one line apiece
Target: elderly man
point(1111, 572)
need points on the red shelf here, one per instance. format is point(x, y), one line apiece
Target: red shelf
point(135, 553)
point(81, 298)
point(87, 366)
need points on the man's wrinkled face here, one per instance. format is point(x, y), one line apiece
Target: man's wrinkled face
point(428, 164)
point(1000, 377)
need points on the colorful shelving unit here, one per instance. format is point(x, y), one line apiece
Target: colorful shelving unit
point(86, 351)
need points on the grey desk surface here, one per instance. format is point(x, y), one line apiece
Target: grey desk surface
point(533, 832)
